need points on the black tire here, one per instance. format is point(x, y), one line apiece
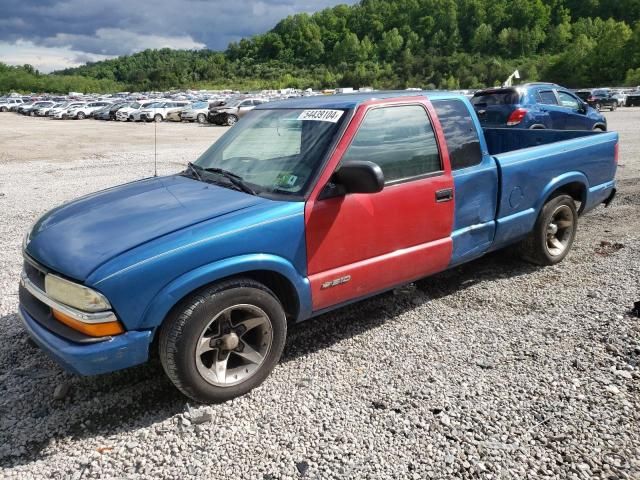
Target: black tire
point(230, 120)
point(535, 248)
point(614, 106)
point(3, 109)
point(157, 117)
point(80, 116)
point(202, 118)
point(598, 107)
point(181, 331)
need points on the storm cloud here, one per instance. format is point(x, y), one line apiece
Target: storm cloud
point(53, 34)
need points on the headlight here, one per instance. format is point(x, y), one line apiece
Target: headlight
point(75, 295)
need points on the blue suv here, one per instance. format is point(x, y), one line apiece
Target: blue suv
point(536, 106)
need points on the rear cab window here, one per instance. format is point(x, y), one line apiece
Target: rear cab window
point(400, 139)
point(460, 133)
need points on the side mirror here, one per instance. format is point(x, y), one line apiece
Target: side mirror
point(360, 176)
point(356, 176)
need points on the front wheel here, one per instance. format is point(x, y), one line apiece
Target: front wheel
point(3, 109)
point(231, 120)
point(80, 116)
point(202, 118)
point(553, 233)
point(614, 106)
point(157, 117)
point(224, 341)
point(598, 107)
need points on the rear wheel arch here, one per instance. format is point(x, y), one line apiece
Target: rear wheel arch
point(575, 189)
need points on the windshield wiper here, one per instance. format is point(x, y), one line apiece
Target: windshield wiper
point(235, 180)
point(194, 169)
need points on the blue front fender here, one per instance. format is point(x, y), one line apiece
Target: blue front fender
point(206, 274)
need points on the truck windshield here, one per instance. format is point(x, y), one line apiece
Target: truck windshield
point(275, 151)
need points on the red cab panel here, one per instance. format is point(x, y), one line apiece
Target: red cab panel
point(360, 244)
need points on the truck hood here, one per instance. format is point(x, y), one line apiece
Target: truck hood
point(77, 237)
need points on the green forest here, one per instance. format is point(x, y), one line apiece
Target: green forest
point(446, 44)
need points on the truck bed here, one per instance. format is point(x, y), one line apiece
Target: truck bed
point(503, 140)
point(535, 163)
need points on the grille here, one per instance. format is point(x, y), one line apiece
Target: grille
point(35, 275)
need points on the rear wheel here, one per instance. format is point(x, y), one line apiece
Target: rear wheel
point(598, 107)
point(614, 106)
point(202, 118)
point(553, 233)
point(157, 117)
point(231, 120)
point(3, 109)
point(80, 116)
point(224, 341)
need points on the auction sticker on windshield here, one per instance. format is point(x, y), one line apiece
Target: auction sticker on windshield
point(321, 115)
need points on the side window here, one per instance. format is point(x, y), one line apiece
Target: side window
point(568, 100)
point(399, 139)
point(460, 133)
point(547, 97)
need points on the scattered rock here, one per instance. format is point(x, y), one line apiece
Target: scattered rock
point(613, 389)
point(61, 391)
point(302, 467)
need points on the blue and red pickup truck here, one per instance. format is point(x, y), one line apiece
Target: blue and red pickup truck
point(302, 207)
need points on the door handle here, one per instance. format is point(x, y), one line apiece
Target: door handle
point(445, 195)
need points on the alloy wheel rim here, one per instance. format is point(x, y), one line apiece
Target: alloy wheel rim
point(234, 345)
point(559, 230)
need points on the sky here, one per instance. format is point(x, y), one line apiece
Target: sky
point(56, 34)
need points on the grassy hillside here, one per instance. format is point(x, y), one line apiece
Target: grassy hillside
point(406, 43)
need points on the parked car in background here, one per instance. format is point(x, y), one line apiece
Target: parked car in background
point(44, 111)
point(31, 109)
point(133, 109)
point(599, 98)
point(234, 110)
point(536, 106)
point(175, 115)
point(272, 226)
point(633, 98)
point(620, 96)
point(61, 112)
point(7, 103)
point(196, 113)
point(157, 112)
point(109, 112)
point(83, 111)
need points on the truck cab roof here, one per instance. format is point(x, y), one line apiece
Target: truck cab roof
point(352, 100)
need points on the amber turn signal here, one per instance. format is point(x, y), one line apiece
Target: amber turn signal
point(92, 329)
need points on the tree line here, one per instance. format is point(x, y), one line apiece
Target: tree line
point(447, 44)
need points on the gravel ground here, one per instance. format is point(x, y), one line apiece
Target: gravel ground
point(496, 369)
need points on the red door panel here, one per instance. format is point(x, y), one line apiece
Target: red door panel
point(364, 243)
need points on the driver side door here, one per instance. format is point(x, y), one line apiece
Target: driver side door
point(362, 244)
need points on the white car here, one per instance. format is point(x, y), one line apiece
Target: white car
point(44, 111)
point(157, 112)
point(62, 112)
point(132, 112)
point(197, 113)
point(31, 109)
point(86, 110)
point(7, 103)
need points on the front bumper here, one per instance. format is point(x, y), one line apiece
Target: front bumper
point(118, 352)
